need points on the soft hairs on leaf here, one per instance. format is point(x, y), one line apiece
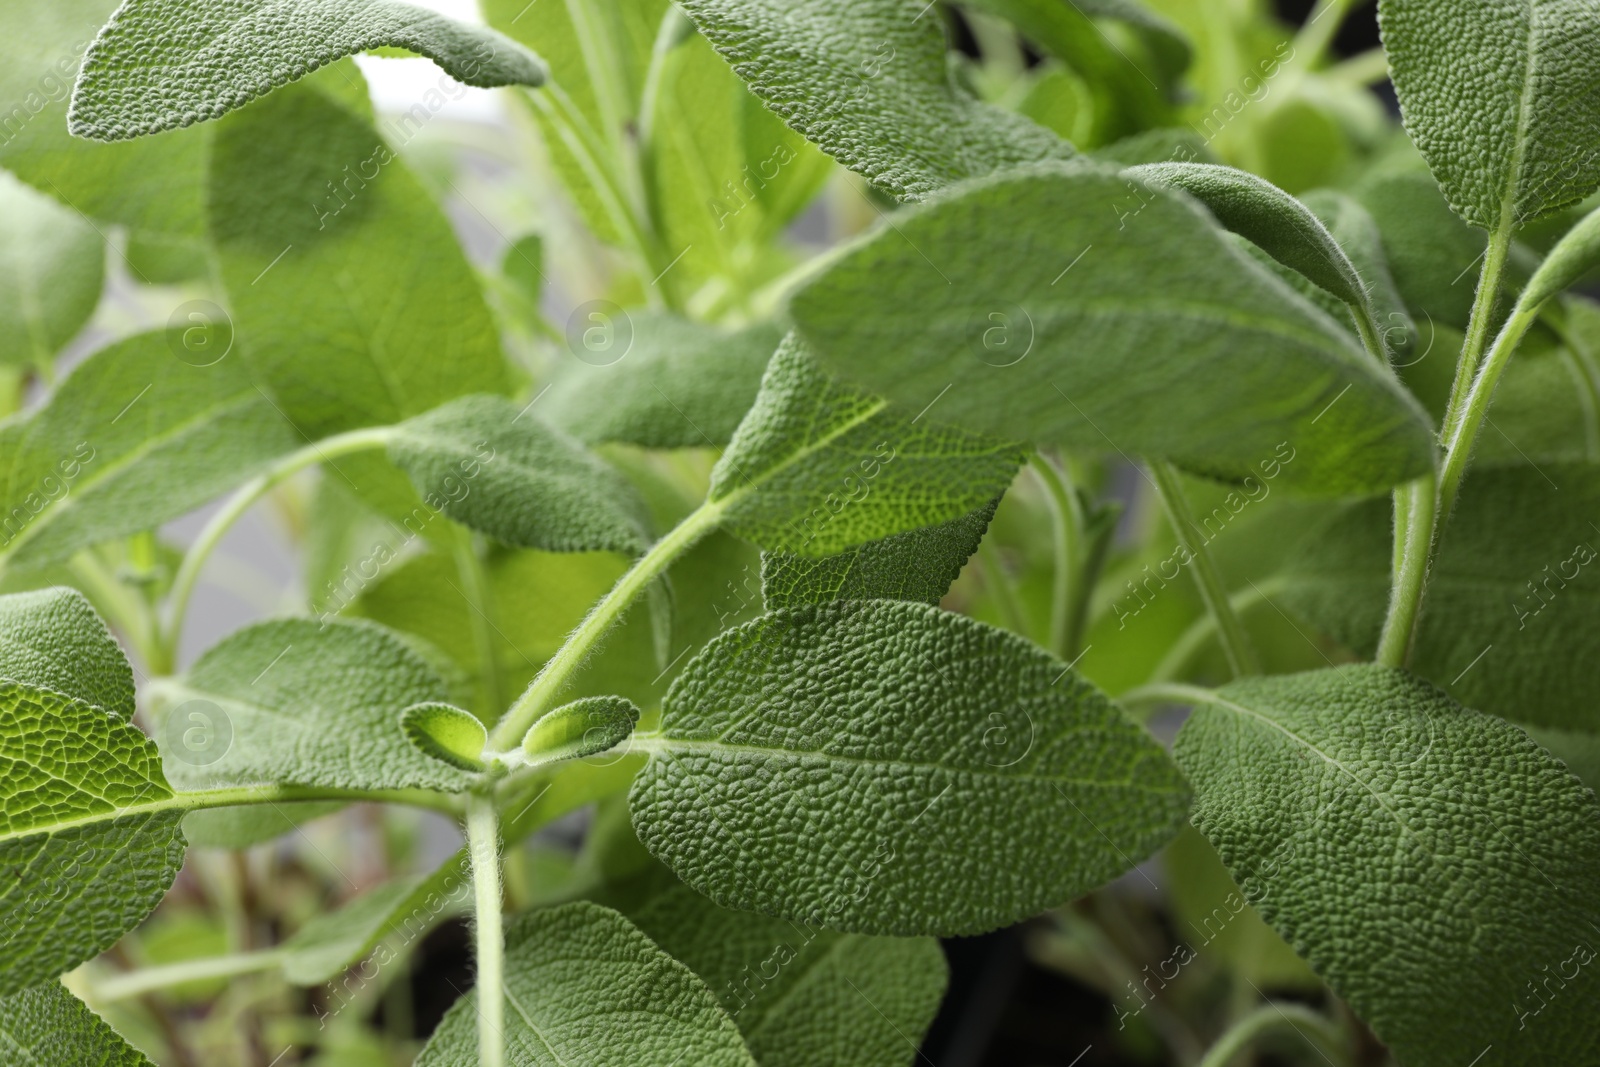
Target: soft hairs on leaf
point(46, 1024)
point(161, 64)
point(1150, 336)
point(886, 767)
point(52, 638)
point(867, 81)
point(584, 985)
point(1433, 863)
point(1503, 99)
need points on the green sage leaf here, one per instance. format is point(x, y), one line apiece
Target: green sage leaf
point(571, 973)
point(52, 638)
point(46, 1024)
point(582, 728)
point(1500, 98)
point(159, 65)
point(848, 765)
point(868, 82)
point(51, 268)
point(1431, 862)
point(444, 732)
point(1576, 254)
point(1149, 336)
point(819, 466)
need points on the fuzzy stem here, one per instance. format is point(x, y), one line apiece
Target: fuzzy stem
point(1067, 518)
point(1324, 1037)
point(483, 843)
point(1414, 525)
point(1230, 632)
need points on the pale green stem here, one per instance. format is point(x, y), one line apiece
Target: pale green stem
point(1414, 525)
point(1312, 1028)
point(1463, 435)
point(999, 583)
point(195, 559)
point(668, 35)
point(1321, 26)
point(1235, 642)
point(541, 694)
point(475, 591)
point(1494, 264)
point(1368, 68)
point(1205, 627)
point(1371, 334)
point(483, 843)
point(150, 979)
point(1165, 693)
point(13, 387)
point(1067, 519)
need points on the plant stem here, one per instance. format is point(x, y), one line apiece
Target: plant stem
point(1414, 525)
point(1165, 693)
point(1494, 263)
point(194, 560)
point(995, 579)
point(1066, 516)
point(1191, 640)
point(1462, 436)
point(1230, 632)
point(1324, 1037)
point(476, 593)
point(540, 695)
point(483, 842)
point(149, 979)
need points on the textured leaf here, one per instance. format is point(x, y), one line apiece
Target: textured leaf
point(801, 996)
point(852, 765)
point(161, 64)
point(1435, 865)
point(868, 82)
point(46, 1024)
point(916, 565)
point(1501, 99)
point(1432, 253)
point(444, 732)
point(583, 985)
point(1163, 341)
point(1356, 232)
point(1256, 209)
point(582, 728)
point(51, 264)
point(89, 833)
point(136, 436)
point(308, 703)
point(681, 385)
point(325, 280)
point(819, 466)
point(52, 638)
point(1509, 621)
point(492, 465)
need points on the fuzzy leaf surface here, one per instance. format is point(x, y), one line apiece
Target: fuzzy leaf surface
point(52, 638)
point(915, 565)
point(46, 1024)
point(1427, 859)
point(681, 384)
point(853, 765)
point(819, 466)
point(1150, 336)
point(51, 268)
point(1502, 100)
point(133, 438)
point(584, 985)
point(801, 996)
point(324, 281)
point(311, 704)
point(161, 64)
point(492, 465)
point(1511, 613)
point(868, 82)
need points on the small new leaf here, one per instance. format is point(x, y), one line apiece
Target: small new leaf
point(583, 728)
point(162, 64)
point(446, 733)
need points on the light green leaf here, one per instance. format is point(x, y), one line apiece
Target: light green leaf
point(1431, 862)
point(572, 973)
point(1149, 336)
point(492, 465)
point(801, 996)
point(89, 827)
point(1432, 253)
point(46, 1024)
point(1256, 209)
point(1576, 254)
point(850, 765)
point(51, 264)
point(1500, 98)
point(158, 64)
point(916, 565)
point(582, 728)
point(1509, 623)
point(1356, 232)
point(52, 638)
point(819, 466)
point(681, 385)
point(313, 704)
point(324, 279)
point(322, 948)
point(868, 82)
point(446, 733)
point(135, 436)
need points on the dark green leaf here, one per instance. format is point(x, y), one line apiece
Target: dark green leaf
point(46, 1024)
point(851, 765)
